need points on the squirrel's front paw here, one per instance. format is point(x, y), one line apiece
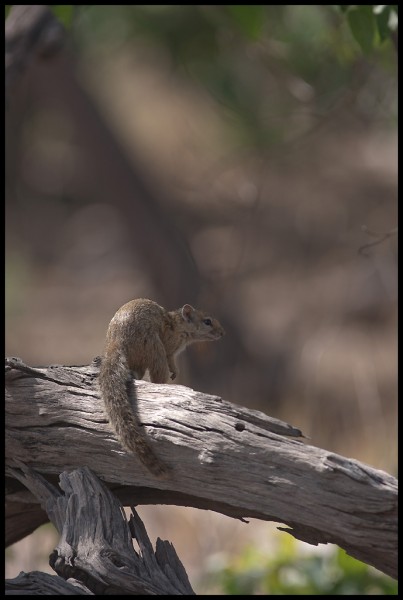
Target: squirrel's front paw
point(173, 375)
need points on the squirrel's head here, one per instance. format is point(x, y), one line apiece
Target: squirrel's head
point(200, 325)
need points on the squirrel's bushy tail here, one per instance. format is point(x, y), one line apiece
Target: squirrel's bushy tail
point(114, 375)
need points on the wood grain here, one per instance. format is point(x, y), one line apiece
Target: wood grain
point(224, 457)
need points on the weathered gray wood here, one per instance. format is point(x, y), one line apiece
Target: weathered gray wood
point(42, 584)
point(224, 457)
point(96, 547)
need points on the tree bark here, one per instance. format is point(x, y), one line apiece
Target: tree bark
point(95, 550)
point(224, 457)
point(42, 584)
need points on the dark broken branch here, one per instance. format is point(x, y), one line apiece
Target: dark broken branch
point(43, 584)
point(96, 547)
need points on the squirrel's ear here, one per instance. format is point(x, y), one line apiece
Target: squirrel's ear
point(187, 312)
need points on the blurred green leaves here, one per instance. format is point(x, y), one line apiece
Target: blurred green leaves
point(248, 18)
point(371, 24)
point(362, 24)
point(288, 570)
point(63, 12)
point(273, 71)
point(386, 17)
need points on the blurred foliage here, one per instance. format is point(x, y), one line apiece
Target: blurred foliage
point(248, 18)
point(273, 70)
point(288, 571)
point(64, 12)
point(371, 24)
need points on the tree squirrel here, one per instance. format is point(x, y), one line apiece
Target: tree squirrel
point(143, 335)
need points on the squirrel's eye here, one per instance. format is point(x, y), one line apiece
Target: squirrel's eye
point(207, 322)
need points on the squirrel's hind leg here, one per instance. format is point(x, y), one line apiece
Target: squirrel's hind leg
point(158, 369)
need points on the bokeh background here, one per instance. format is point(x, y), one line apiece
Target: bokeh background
point(242, 161)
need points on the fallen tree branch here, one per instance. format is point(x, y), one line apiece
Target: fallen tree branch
point(224, 457)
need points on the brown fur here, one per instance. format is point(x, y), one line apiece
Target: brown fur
point(144, 336)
